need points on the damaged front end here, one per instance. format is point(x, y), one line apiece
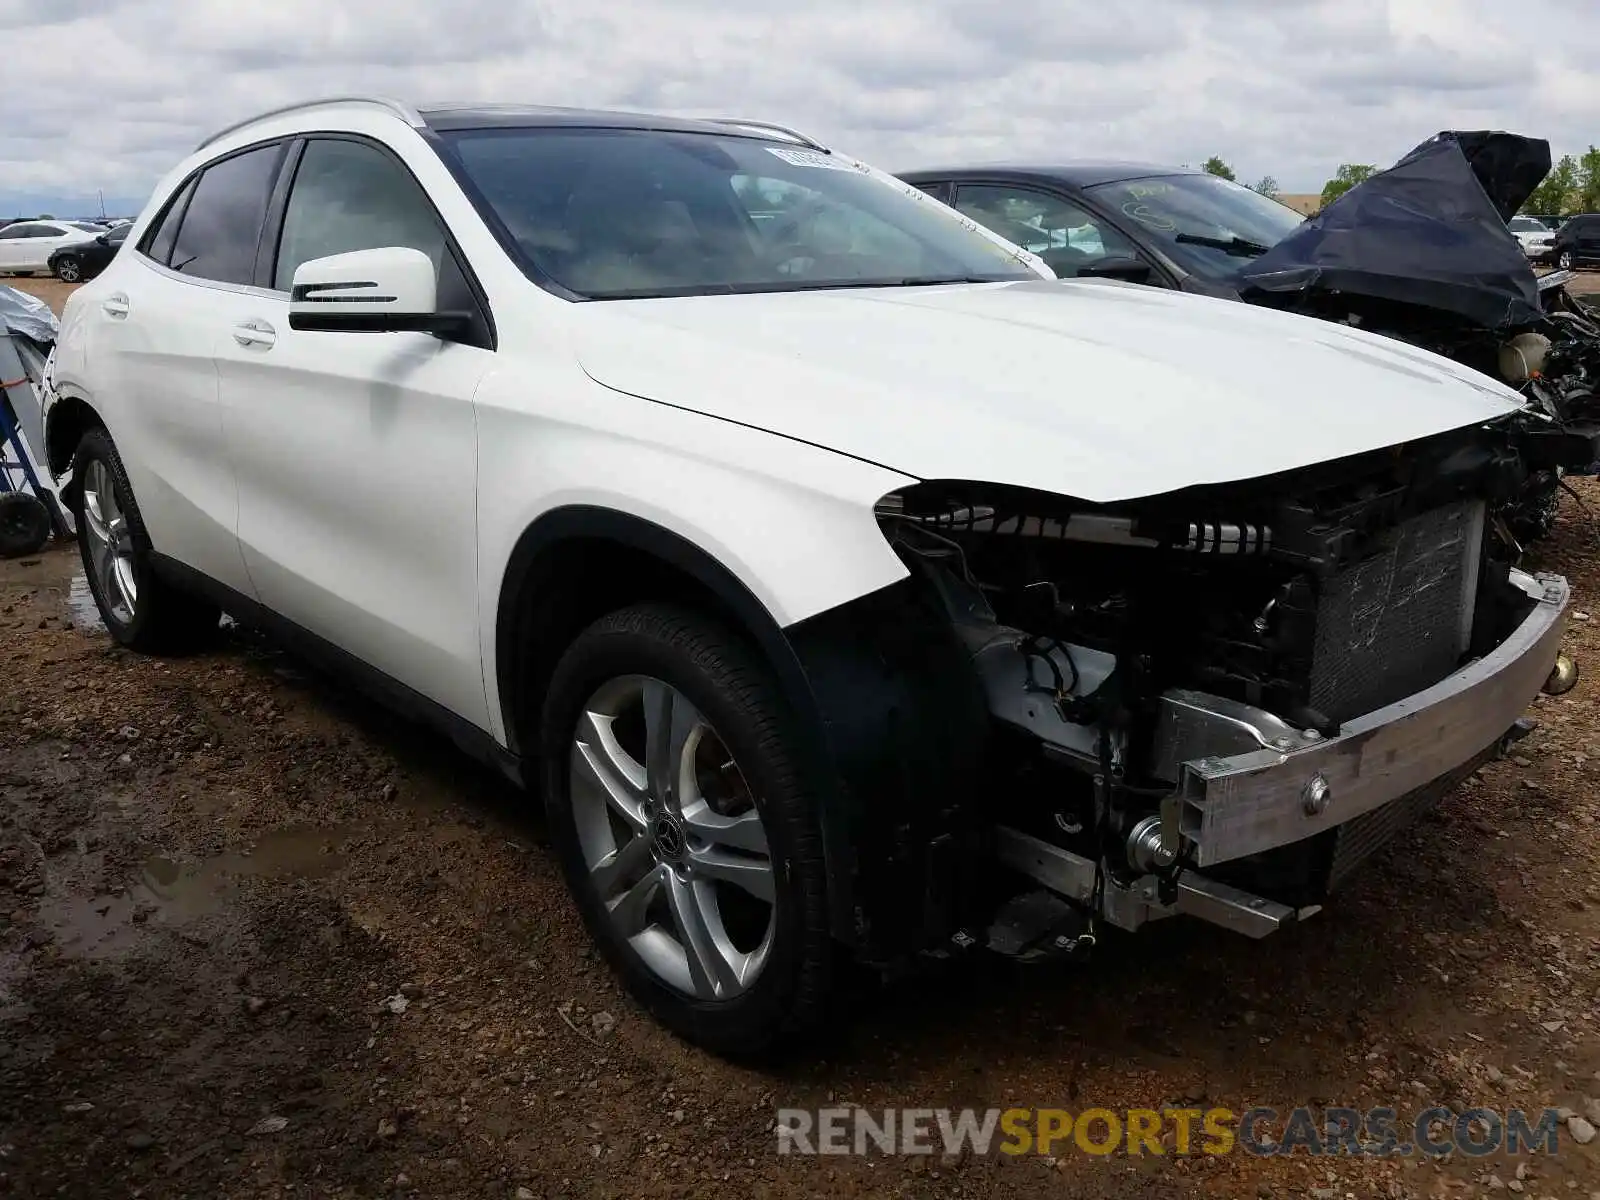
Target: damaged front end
point(1421, 252)
point(1220, 701)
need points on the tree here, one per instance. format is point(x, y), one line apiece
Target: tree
point(1557, 195)
point(1266, 185)
point(1348, 175)
point(1589, 181)
point(1215, 166)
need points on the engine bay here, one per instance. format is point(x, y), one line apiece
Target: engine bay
point(1308, 599)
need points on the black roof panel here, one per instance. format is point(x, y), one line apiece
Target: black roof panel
point(1073, 172)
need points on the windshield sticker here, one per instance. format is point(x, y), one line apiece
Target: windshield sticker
point(808, 158)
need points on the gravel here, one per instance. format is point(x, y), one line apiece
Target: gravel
point(1448, 953)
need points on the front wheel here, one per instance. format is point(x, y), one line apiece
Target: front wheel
point(140, 610)
point(687, 837)
point(69, 269)
point(1566, 260)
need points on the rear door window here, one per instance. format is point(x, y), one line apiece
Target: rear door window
point(222, 225)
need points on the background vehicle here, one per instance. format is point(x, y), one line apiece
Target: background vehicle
point(26, 246)
point(1092, 218)
point(85, 260)
point(1577, 242)
point(1534, 236)
point(838, 575)
point(1421, 252)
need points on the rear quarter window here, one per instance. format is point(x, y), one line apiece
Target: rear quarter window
point(157, 242)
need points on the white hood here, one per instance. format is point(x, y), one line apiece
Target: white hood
point(1085, 389)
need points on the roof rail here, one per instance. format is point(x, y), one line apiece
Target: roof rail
point(404, 111)
point(769, 127)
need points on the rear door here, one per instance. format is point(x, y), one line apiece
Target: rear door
point(356, 452)
point(52, 237)
point(192, 279)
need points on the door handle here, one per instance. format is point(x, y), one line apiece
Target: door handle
point(115, 305)
point(255, 333)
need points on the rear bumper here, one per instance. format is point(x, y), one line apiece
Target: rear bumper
point(1289, 786)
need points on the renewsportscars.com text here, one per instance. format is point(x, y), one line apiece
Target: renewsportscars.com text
point(1264, 1132)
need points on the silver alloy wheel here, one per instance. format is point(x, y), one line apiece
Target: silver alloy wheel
point(67, 270)
point(672, 839)
point(110, 543)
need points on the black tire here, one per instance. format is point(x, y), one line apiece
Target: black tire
point(24, 524)
point(69, 269)
point(165, 619)
point(735, 692)
point(1566, 260)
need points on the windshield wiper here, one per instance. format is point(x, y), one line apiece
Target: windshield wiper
point(1242, 247)
point(935, 280)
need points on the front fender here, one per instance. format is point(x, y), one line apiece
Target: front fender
point(793, 524)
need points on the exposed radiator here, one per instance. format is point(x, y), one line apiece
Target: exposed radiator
point(1399, 620)
point(1358, 840)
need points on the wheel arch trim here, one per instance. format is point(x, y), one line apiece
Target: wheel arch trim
point(585, 522)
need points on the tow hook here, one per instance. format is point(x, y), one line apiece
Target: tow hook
point(1563, 677)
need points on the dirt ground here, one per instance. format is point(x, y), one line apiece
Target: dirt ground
point(262, 940)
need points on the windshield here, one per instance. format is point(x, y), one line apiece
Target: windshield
point(1209, 224)
point(623, 213)
point(1528, 225)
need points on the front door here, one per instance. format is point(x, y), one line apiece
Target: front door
point(1588, 247)
point(1067, 236)
point(355, 452)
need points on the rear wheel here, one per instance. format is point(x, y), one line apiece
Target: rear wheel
point(685, 833)
point(140, 610)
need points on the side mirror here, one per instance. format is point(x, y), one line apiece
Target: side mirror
point(392, 289)
point(1131, 270)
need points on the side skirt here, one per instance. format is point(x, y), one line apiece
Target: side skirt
point(383, 688)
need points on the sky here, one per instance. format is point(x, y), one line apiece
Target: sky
point(108, 95)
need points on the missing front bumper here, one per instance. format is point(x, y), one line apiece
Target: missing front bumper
point(1283, 786)
point(1265, 785)
point(1073, 876)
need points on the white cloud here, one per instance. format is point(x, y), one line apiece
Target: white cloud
point(107, 94)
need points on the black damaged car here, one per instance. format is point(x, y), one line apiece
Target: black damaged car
point(1420, 252)
point(85, 260)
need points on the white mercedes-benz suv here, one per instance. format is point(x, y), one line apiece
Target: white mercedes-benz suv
point(835, 575)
